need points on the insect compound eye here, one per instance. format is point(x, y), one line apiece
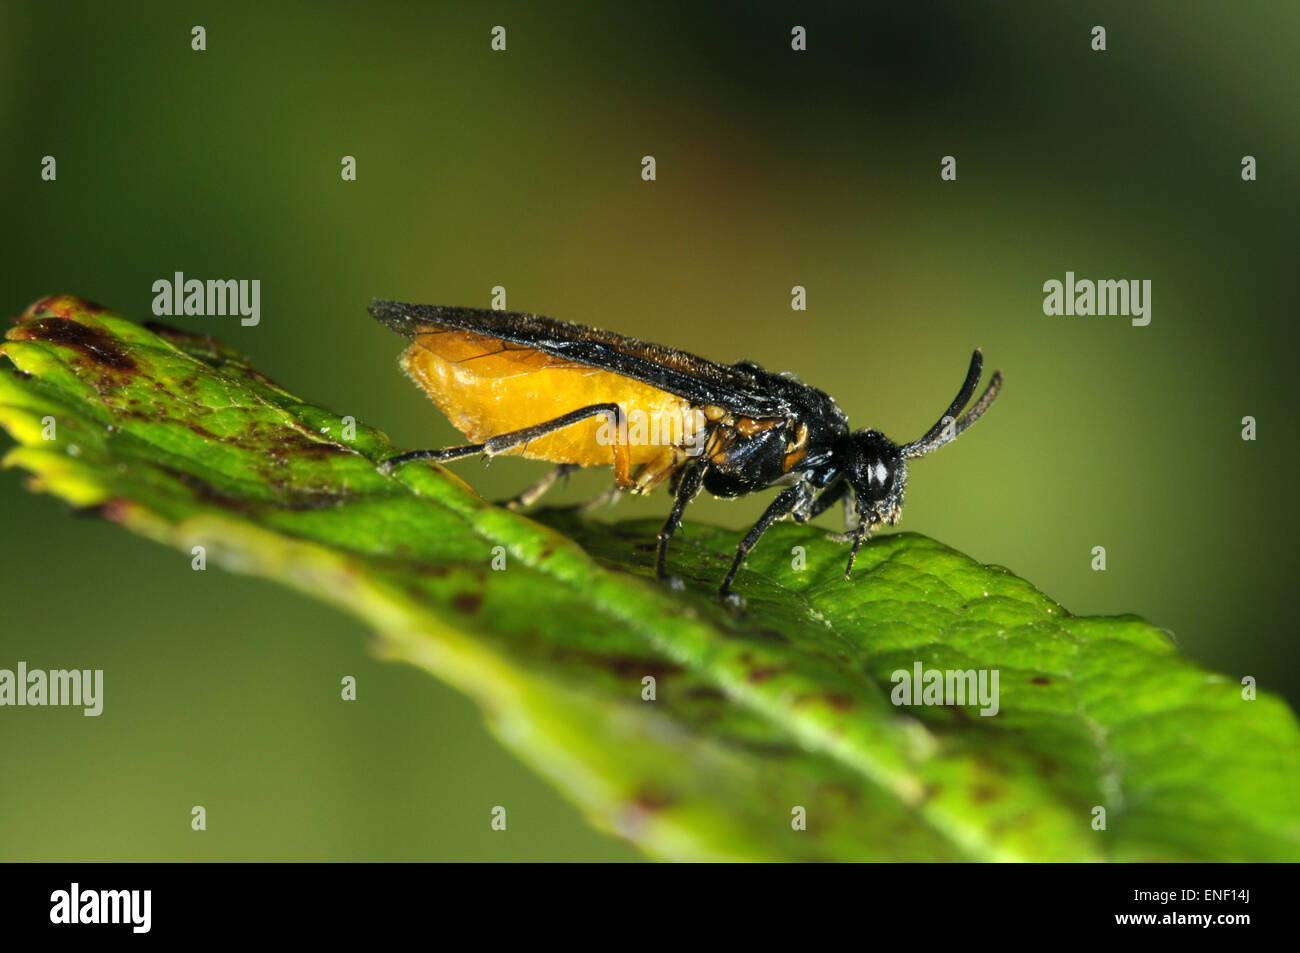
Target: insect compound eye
point(880, 476)
point(873, 477)
point(875, 466)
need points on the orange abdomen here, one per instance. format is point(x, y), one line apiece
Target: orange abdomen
point(487, 387)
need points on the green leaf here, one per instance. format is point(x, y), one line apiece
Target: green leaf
point(785, 705)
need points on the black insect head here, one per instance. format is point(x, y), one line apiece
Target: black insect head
point(878, 469)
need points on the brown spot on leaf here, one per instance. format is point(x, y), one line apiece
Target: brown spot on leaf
point(91, 342)
point(640, 808)
point(58, 305)
point(284, 441)
point(983, 793)
point(205, 491)
point(623, 666)
point(841, 791)
point(631, 666)
point(115, 511)
point(650, 800)
point(1040, 680)
point(467, 602)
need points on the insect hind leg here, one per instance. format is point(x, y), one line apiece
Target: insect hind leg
point(390, 464)
point(502, 443)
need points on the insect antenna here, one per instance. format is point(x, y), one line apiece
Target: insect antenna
point(950, 426)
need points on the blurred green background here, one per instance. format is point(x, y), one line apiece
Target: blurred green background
point(522, 169)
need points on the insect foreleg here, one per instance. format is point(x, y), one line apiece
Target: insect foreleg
point(866, 525)
point(795, 499)
point(850, 513)
point(829, 497)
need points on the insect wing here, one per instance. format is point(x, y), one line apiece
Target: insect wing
point(737, 389)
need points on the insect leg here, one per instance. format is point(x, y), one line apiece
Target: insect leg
point(795, 499)
point(867, 523)
point(828, 498)
point(607, 498)
point(508, 441)
point(442, 456)
point(535, 492)
point(850, 517)
point(687, 490)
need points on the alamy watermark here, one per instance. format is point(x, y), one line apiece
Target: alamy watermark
point(178, 296)
point(60, 687)
point(685, 429)
point(128, 907)
point(938, 686)
point(1125, 297)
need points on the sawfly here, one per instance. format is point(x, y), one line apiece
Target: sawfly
point(579, 397)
